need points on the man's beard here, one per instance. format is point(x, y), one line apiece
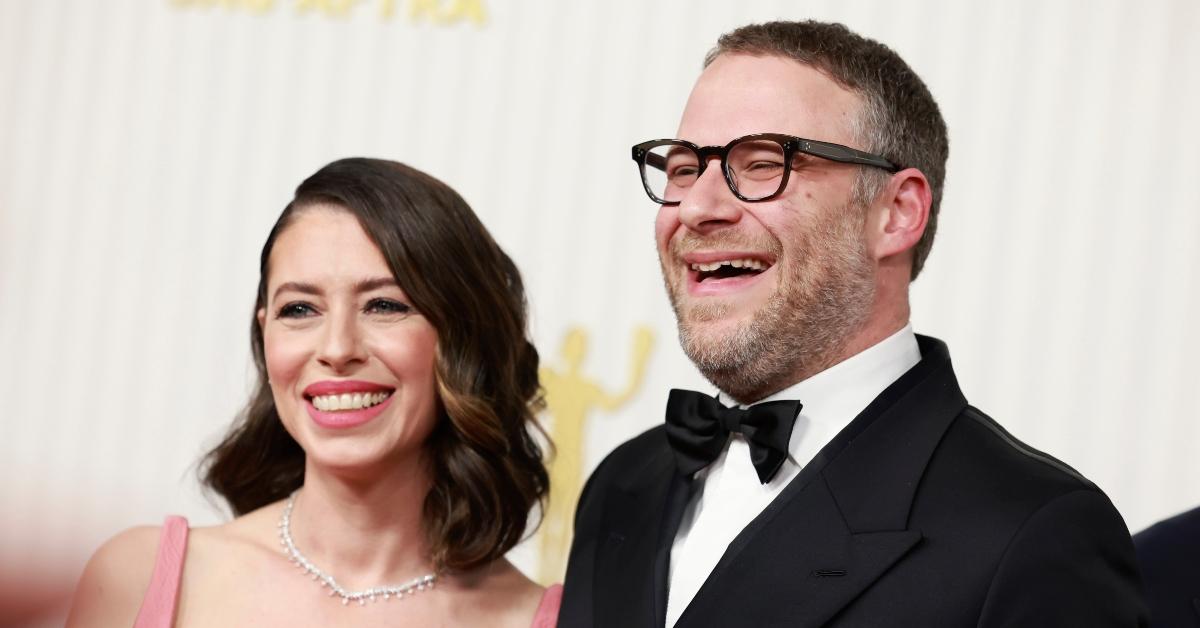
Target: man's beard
point(824, 295)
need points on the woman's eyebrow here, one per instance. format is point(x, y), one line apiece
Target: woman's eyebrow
point(366, 285)
point(296, 286)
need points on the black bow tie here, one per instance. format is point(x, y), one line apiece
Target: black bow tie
point(698, 426)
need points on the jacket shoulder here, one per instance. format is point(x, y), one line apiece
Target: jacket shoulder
point(1180, 530)
point(984, 449)
point(630, 459)
point(1049, 547)
point(653, 440)
point(979, 469)
point(1169, 557)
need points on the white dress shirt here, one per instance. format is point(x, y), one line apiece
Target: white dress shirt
point(729, 495)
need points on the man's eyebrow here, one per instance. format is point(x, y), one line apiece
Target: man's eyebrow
point(366, 285)
point(677, 150)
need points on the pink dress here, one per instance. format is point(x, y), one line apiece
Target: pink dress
point(159, 604)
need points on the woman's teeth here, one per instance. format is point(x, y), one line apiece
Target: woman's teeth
point(348, 401)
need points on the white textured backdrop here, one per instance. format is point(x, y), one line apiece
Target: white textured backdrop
point(146, 146)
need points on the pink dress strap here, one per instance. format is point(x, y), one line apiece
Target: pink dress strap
point(158, 606)
point(547, 612)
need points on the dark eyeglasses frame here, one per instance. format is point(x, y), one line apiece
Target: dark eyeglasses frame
point(790, 143)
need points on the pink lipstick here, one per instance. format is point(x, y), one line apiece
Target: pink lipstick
point(340, 392)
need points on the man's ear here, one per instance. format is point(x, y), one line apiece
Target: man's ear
point(900, 214)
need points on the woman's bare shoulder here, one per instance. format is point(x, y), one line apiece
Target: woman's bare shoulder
point(245, 530)
point(115, 579)
point(229, 547)
point(504, 594)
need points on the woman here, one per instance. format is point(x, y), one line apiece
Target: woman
point(385, 462)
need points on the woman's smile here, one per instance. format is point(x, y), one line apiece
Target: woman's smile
point(340, 404)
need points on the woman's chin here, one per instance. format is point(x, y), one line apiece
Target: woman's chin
point(363, 459)
point(344, 458)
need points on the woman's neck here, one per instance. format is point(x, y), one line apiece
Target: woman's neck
point(364, 533)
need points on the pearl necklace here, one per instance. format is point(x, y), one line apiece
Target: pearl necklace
point(362, 597)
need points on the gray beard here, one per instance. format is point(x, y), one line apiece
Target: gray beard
point(821, 301)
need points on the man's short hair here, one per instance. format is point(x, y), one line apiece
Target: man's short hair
point(899, 118)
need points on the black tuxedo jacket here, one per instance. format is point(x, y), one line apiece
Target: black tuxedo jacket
point(922, 512)
point(1169, 555)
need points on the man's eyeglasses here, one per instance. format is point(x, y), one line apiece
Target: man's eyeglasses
point(756, 166)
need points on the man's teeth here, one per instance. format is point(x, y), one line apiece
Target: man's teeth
point(348, 401)
point(751, 264)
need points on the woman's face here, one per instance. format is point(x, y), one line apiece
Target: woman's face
point(351, 361)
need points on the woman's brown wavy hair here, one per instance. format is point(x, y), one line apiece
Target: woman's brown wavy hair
point(487, 468)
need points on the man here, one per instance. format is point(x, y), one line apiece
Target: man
point(840, 478)
point(1168, 553)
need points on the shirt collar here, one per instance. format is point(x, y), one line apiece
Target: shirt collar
point(833, 397)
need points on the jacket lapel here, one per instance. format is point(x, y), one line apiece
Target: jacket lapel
point(843, 521)
point(633, 558)
point(800, 571)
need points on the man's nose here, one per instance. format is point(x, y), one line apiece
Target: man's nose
point(709, 204)
point(342, 344)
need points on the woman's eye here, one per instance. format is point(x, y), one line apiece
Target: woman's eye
point(387, 306)
point(296, 309)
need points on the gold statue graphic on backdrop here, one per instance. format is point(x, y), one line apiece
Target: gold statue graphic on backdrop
point(570, 398)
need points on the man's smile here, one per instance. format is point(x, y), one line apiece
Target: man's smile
point(725, 273)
